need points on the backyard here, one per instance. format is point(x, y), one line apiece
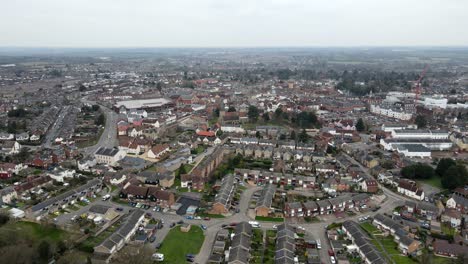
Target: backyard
point(385, 245)
point(178, 244)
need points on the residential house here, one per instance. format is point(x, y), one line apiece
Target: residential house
point(157, 151)
point(264, 202)
point(410, 189)
point(109, 156)
point(122, 236)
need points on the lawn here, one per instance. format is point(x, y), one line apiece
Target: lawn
point(198, 150)
point(38, 231)
point(178, 244)
point(211, 215)
point(371, 229)
point(269, 219)
point(434, 181)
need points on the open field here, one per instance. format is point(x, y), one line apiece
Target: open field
point(178, 244)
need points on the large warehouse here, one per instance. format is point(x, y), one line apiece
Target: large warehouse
point(154, 103)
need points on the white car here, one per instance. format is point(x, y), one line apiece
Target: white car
point(158, 257)
point(319, 244)
point(275, 227)
point(332, 259)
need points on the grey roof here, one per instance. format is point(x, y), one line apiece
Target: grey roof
point(124, 230)
point(266, 196)
point(65, 196)
point(311, 205)
point(361, 240)
point(241, 240)
point(239, 255)
point(107, 151)
point(224, 194)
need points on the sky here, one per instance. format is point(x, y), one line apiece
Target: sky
point(233, 23)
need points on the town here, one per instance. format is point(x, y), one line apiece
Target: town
point(235, 156)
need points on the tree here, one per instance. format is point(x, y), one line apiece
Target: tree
point(82, 88)
point(257, 135)
point(282, 137)
point(4, 218)
point(232, 109)
point(61, 247)
point(293, 135)
point(159, 86)
point(360, 126)
point(266, 117)
point(11, 128)
point(455, 176)
point(420, 121)
point(303, 137)
point(216, 112)
point(418, 171)
point(181, 170)
point(44, 250)
point(253, 113)
point(95, 107)
point(278, 113)
point(443, 166)
point(101, 120)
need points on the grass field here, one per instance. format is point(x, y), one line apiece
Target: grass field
point(37, 231)
point(178, 244)
point(434, 182)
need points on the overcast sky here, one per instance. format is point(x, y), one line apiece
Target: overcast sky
point(232, 23)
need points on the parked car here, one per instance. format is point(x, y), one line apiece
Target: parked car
point(158, 245)
point(152, 239)
point(172, 225)
point(203, 227)
point(332, 259)
point(207, 219)
point(158, 257)
point(120, 209)
point(189, 217)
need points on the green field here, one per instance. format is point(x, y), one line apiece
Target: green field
point(178, 244)
point(434, 182)
point(35, 231)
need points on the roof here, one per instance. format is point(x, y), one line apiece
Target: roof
point(107, 151)
point(142, 103)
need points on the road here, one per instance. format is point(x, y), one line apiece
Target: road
point(55, 129)
point(317, 230)
point(108, 137)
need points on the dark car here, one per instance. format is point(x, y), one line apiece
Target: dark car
point(172, 225)
point(190, 259)
point(152, 239)
point(180, 222)
point(158, 245)
point(120, 209)
point(190, 256)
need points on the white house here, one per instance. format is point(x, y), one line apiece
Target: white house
point(410, 189)
point(109, 156)
point(6, 136)
point(157, 151)
point(86, 164)
point(60, 174)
